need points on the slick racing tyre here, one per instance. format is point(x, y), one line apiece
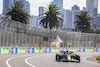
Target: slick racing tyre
point(58, 59)
point(78, 58)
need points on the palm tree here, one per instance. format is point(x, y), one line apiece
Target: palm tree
point(51, 17)
point(18, 12)
point(83, 21)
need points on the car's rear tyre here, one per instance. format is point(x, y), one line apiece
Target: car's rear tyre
point(78, 58)
point(58, 59)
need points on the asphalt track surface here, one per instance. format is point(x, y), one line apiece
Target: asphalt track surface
point(46, 60)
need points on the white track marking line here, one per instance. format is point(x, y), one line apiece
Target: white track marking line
point(7, 61)
point(26, 60)
point(85, 59)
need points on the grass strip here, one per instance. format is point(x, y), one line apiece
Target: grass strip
point(98, 58)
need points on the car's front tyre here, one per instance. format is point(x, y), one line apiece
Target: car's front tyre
point(58, 59)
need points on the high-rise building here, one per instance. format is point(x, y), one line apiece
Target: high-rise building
point(74, 13)
point(27, 6)
point(34, 21)
point(6, 5)
point(41, 11)
point(20, 0)
point(84, 9)
point(67, 23)
point(99, 20)
point(75, 7)
point(59, 4)
point(69, 19)
point(92, 7)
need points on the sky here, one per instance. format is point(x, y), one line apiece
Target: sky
point(67, 4)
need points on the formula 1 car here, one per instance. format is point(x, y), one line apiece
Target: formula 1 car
point(67, 57)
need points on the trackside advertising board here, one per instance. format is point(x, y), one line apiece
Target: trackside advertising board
point(73, 49)
point(89, 49)
point(64, 49)
point(55, 50)
point(38, 50)
point(30, 50)
point(81, 49)
point(97, 49)
point(47, 50)
point(5, 50)
point(14, 50)
point(0, 50)
point(21, 50)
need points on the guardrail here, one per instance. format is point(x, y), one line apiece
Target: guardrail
point(24, 50)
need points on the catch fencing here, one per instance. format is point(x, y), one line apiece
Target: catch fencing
point(16, 34)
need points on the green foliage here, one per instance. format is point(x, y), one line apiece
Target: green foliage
point(83, 21)
point(51, 17)
point(98, 58)
point(92, 30)
point(98, 31)
point(18, 12)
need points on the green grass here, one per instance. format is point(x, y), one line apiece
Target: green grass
point(98, 58)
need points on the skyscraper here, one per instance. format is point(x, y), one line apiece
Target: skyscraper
point(74, 13)
point(20, 0)
point(92, 7)
point(34, 21)
point(41, 11)
point(67, 23)
point(6, 5)
point(75, 7)
point(27, 6)
point(84, 9)
point(59, 4)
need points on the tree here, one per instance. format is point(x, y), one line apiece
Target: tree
point(18, 12)
point(83, 21)
point(51, 17)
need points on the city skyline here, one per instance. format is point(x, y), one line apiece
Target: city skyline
point(34, 5)
point(92, 7)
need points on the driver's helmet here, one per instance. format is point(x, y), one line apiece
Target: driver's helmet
point(67, 51)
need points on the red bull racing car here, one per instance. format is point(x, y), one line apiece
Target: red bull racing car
point(67, 56)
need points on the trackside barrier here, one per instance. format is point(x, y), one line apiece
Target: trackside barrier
point(5, 50)
point(55, 50)
point(0, 50)
point(13, 50)
point(30, 50)
point(97, 49)
point(81, 49)
point(21, 50)
point(64, 49)
point(73, 49)
point(89, 49)
point(38, 50)
point(47, 50)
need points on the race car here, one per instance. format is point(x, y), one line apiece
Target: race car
point(67, 56)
